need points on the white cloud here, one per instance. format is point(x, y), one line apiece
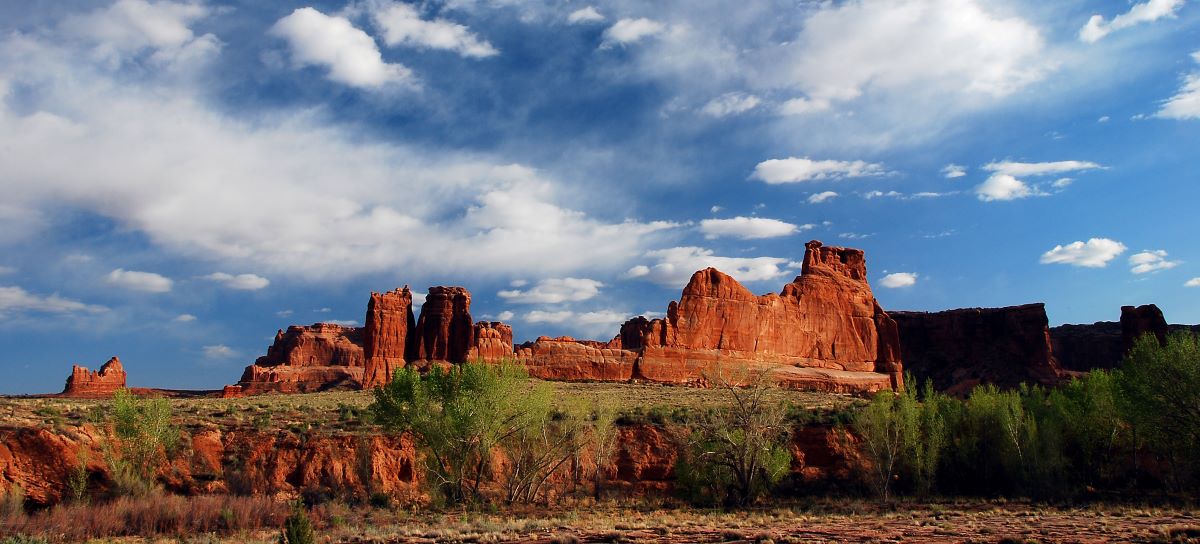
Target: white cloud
point(1145, 12)
point(1095, 253)
point(804, 106)
point(952, 171)
point(715, 209)
point(674, 266)
point(1150, 261)
point(1194, 282)
point(129, 28)
point(854, 235)
point(627, 31)
point(243, 282)
point(598, 323)
point(585, 15)
point(184, 318)
point(342, 322)
point(16, 299)
point(333, 42)
point(1186, 103)
point(7, 270)
point(555, 291)
point(133, 280)
point(1003, 187)
point(255, 194)
point(1004, 184)
point(899, 279)
point(793, 170)
point(285, 313)
point(1102, 119)
point(824, 196)
point(219, 351)
point(542, 316)
point(748, 228)
point(504, 316)
point(323, 310)
point(1039, 168)
point(402, 25)
point(730, 104)
point(419, 299)
point(518, 283)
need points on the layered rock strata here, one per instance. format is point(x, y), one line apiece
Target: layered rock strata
point(959, 349)
point(89, 383)
point(308, 358)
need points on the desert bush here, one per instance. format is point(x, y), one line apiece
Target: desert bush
point(736, 455)
point(297, 529)
point(141, 441)
point(150, 515)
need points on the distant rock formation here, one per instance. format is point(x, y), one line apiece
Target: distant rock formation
point(1103, 344)
point(959, 349)
point(824, 331)
point(90, 384)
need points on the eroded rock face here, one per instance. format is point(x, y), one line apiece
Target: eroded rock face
point(567, 359)
point(310, 358)
point(445, 331)
point(959, 349)
point(386, 338)
point(493, 342)
point(827, 318)
point(103, 383)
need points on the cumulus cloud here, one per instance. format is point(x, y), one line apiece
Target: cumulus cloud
point(899, 279)
point(219, 351)
point(1194, 282)
point(133, 280)
point(342, 322)
point(348, 54)
point(730, 104)
point(1004, 184)
point(554, 291)
point(543, 316)
point(794, 170)
point(184, 318)
point(952, 171)
point(285, 313)
point(256, 194)
point(1095, 253)
point(243, 282)
point(585, 15)
point(15, 299)
point(804, 106)
point(674, 266)
point(402, 25)
point(1185, 104)
point(1146, 12)
point(627, 31)
point(595, 324)
point(748, 228)
point(504, 316)
point(1150, 261)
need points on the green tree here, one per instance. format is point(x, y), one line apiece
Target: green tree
point(888, 428)
point(458, 416)
point(1160, 385)
point(142, 439)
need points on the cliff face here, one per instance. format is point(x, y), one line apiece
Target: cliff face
point(86, 383)
point(1103, 344)
point(386, 335)
point(958, 349)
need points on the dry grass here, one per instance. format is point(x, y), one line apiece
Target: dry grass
point(340, 410)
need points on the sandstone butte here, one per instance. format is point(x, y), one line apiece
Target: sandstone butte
point(88, 383)
point(823, 331)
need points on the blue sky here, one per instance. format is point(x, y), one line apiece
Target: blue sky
point(181, 179)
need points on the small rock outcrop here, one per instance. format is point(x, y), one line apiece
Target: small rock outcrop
point(88, 383)
point(386, 335)
point(1103, 344)
point(959, 349)
point(308, 358)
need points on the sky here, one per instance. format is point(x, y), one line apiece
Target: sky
point(180, 179)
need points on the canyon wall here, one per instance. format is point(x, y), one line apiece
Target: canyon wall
point(959, 349)
point(1103, 344)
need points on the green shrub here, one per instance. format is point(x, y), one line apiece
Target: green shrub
point(297, 529)
point(1160, 397)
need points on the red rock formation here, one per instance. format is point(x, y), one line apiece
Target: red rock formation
point(959, 349)
point(87, 383)
point(493, 342)
point(1138, 321)
point(444, 331)
point(567, 359)
point(827, 318)
point(386, 336)
point(304, 359)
